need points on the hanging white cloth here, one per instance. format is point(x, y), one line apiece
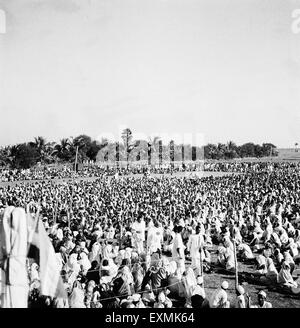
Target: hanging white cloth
point(13, 253)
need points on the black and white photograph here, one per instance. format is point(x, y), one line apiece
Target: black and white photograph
point(150, 157)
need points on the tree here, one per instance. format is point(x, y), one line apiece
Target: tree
point(97, 147)
point(82, 143)
point(94, 148)
point(258, 151)
point(247, 150)
point(267, 149)
point(221, 150)
point(25, 156)
point(7, 155)
point(62, 150)
point(152, 146)
point(48, 153)
point(231, 150)
point(40, 144)
point(210, 151)
point(129, 145)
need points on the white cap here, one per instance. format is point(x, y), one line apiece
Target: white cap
point(262, 293)
point(135, 297)
point(241, 289)
point(161, 297)
point(199, 280)
point(225, 284)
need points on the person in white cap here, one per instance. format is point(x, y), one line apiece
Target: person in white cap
point(161, 298)
point(139, 237)
point(199, 289)
point(240, 302)
point(194, 245)
point(178, 250)
point(220, 298)
point(155, 238)
point(262, 301)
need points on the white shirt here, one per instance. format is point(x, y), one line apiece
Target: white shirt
point(139, 227)
point(178, 243)
point(199, 291)
point(219, 297)
point(194, 244)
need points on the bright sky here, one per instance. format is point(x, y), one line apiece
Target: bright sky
point(226, 69)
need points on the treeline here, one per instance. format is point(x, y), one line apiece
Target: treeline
point(231, 150)
point(84, 148)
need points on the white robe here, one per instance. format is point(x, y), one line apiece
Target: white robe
point(13, 240)
point(194, 243)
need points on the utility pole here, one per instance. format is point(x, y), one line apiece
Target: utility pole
point(235, 265)
point(76, 158)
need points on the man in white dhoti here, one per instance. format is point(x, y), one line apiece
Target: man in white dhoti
point(139, 236)
point(178, 250)
point(194, 245)
point(154, 238)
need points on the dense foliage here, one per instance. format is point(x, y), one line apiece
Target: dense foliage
point(28, 154)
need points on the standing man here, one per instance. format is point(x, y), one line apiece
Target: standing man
point(139, 236)
point(194, 246)
point(178, 250)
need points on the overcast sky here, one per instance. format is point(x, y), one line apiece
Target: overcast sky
point(227, 69)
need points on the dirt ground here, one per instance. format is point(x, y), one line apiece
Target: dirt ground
point(212, 281)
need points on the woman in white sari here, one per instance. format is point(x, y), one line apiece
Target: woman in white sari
point(285, 278)
point(73, 267)
point(76, 299)
point(272, 273)
point(84, 263)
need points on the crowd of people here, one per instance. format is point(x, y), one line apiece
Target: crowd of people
point(247, 166)
point(92, 170)
point(149, 241)
point(100, 168)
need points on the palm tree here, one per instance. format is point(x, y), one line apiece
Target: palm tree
point(40, 144)
point(76, 144)
point(7, 155)
point(62, 150)
point(49, 158)
point(100, 147)
point(129, 144)
point(102, 144)
point(231, 150)
point(221, 150)
point(210, 151)
point(152, 146)
point(231, 145)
